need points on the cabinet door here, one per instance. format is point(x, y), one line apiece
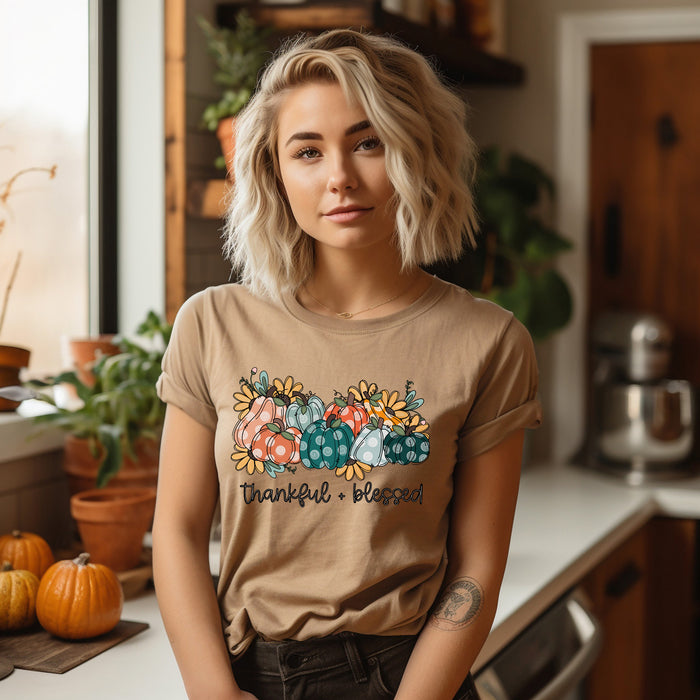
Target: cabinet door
point(670, 609)
point(644, 183)
point(617, 589)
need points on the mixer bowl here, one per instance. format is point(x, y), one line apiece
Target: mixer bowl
point(646, 426)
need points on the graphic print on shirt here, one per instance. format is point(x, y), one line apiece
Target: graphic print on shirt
point(281, 428)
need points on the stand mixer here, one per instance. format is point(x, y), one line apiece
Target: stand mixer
point(640, 424)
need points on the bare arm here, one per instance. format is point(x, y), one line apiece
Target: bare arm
point(486, 490)
point(187, 494)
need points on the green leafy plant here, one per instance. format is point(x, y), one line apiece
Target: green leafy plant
point(517, 248)
point(122, 406)
point(513, 263)
point(239, 54)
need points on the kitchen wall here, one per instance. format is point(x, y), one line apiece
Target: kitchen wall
point(34, 497)
point(524, 119)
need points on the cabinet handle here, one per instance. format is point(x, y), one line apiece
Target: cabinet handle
point(619, 584)
point(612, 240)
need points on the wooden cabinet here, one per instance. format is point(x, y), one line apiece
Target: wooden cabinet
point(642, 594)
point(618, 589)
point(189, 198)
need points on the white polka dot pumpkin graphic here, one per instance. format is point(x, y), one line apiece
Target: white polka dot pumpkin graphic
point(280, 428)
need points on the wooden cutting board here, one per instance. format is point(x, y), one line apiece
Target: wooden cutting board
point(37, 650)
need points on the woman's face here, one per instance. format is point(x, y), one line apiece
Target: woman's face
point(332, 168)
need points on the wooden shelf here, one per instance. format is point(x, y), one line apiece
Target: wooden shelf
point(457, 58)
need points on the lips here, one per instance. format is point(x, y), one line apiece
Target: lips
point(347, 213)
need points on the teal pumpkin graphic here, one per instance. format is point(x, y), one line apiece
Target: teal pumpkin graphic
point(303, 411)
point(369, 444)
point(326, 443)
point(406, 447)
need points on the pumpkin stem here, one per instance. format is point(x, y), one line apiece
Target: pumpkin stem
point(16, 534)
point(82, 559)
point(6, 566)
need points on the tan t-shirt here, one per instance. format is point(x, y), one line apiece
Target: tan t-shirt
point(336, 443)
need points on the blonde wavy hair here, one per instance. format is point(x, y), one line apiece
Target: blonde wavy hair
point(429, 157)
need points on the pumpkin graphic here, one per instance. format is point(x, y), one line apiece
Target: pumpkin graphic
point(263, 410)
point(369, 444)
point(326, 443)
point(277, 444)
point(303, 411)
point(403, 446)
point(280, 427)
point(353, 414)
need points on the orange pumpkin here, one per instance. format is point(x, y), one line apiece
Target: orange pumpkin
point(18, 590)
point(25, 550)
point(79, 600)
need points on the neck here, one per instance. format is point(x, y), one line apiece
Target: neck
point(363, 284)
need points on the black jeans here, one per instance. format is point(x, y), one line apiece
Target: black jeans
point(341, 667)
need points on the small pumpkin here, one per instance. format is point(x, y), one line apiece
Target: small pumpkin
point(25, 550)
point(78, 599)
point(263, 410)
point(350, 412)
point(18, 589)
point(276, 443)
point(404, 446)
point(326, 443)
point(368, 447)
point(303, 411)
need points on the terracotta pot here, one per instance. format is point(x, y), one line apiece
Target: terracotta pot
point(85, 351)
point(12, 360)
point(112, 523)
point(226, 133)
point(81, 467)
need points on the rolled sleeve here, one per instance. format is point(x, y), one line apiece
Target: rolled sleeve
point(506, 398)
point(184, 378)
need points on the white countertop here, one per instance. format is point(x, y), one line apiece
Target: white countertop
point(567, 520)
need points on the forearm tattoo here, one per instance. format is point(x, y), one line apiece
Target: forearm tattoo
point(458, 605)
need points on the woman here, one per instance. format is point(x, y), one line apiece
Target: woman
point(360, 421)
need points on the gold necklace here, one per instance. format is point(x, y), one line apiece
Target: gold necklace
point(347, 314)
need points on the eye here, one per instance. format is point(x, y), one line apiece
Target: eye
point(369, 143)
point(307, 153)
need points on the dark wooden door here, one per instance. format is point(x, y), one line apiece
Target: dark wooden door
point(645, 188)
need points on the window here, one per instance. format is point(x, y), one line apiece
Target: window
point(51, 87)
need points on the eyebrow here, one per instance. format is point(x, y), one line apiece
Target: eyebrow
point(314, 136)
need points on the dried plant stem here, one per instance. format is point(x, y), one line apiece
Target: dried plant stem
point(7, 186)
point(8, 289)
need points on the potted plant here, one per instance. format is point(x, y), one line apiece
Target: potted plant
point(113, 433)
point(513, 263)
point(12, 359)
point(239, 54)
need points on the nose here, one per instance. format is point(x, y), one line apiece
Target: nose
point(341, 176)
